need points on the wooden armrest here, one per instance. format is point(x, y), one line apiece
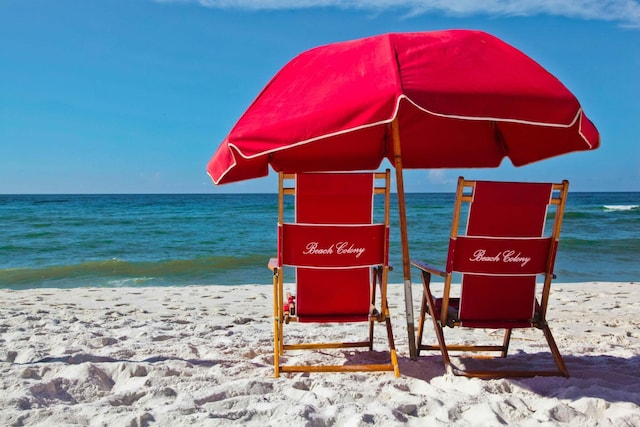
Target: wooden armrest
point(428, 268)
point(273, 264)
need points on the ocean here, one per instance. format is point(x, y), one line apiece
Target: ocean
point(183, 239)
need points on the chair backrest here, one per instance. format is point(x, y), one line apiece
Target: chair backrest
point(504, 248)
point(333, 242)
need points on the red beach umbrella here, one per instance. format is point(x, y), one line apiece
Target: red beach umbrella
point(443, 99)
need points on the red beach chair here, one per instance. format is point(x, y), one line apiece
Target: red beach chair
point(498, 258)
point(339, 256)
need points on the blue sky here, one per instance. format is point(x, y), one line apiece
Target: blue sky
point(134, 96)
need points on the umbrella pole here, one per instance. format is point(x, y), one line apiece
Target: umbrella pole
point(404, 239)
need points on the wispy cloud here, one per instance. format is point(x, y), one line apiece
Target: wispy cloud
point(625, 12)
point(439, 177)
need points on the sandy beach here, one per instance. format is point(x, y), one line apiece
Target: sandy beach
point(202, 355)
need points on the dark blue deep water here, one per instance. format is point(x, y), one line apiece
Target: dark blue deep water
point(143, 240)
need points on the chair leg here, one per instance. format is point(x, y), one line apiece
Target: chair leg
point(392, 348)
point(557, 357)
point(443, 345)
point(371, 325)
point(277, 322)
point(423, 312)
point(505, 342)
point(426, 281)
point(384, 311)
point(428, 305)
point(276, 348)
point(376, 279)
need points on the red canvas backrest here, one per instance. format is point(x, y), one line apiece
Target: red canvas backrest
point(333, 244)
point(502, 251)
point(334, 198)
point(514, 209)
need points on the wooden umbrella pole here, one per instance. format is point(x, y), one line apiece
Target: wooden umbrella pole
point(404, 239)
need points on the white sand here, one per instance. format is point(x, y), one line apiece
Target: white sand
point(202, 356)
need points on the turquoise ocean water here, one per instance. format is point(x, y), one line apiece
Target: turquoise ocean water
point(145, 240)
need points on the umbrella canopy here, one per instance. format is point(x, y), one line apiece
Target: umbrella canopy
point(445, 99)
point(460, 99)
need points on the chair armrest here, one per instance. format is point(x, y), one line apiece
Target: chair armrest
point(273, 264)
point(428, 268)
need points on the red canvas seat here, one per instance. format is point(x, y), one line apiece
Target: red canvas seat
point(498, 252)
point(339, 256)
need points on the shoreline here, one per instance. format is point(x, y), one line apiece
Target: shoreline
point(416, 285)
point(203, 354)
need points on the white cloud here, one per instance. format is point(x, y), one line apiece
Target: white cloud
point(439, 177)
point(626, 12)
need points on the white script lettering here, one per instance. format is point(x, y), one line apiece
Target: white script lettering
point(313, 249)
point(511, 256)
point(505, 256)
point(341, 248)
point(346, 249)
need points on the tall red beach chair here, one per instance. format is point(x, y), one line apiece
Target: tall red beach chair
point(501, 251)
point(338, 256)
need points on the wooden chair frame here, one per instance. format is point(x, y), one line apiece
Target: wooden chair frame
point(378, 279)
point(448, 317)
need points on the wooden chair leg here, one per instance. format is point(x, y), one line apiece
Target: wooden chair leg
point(376, 279)
point(437, 327)
point(441, 342)
point(557, 357)
point(371, 325)
point(277, 327)
point(505, 342)
point(426, 279)
point(392, 348)
point(423, 313)
point(276, 348)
